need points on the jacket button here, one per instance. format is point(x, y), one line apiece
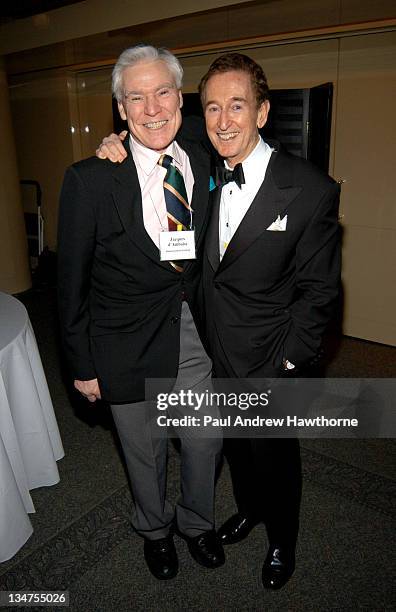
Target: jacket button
point(217, 285)
point(174, 320)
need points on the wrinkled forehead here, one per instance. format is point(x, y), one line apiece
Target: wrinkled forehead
point(148, 74)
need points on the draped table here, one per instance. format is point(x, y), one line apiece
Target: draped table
point(30, 443)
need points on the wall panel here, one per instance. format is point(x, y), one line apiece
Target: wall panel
point(365, 153)
point(42, 124)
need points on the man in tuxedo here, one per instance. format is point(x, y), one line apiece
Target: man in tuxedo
point(129, 313)
point(271, 274)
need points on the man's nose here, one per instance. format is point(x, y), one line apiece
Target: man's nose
point(224, 120)
point(151, 106)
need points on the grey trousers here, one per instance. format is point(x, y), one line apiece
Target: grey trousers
point(146, 452)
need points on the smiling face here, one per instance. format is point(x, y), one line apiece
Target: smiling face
point(231, 115)
point(151, 104)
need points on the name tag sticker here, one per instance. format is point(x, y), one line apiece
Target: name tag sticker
point(177, 245)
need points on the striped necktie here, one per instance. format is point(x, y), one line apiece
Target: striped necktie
point(177, 207)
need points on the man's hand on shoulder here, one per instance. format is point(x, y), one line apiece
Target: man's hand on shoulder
point(88, 388)
point(112, 148)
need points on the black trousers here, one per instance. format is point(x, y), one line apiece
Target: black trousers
point(267, 482)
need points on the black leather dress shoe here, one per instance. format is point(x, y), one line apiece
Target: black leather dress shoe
point(236, 529)
point(206, 549)
point(161, 557)
point(278, 567)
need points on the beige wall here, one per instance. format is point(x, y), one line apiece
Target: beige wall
point(42, 124)
point(94, 106)
point(365, 158)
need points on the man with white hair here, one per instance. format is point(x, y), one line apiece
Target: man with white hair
point(128, 309)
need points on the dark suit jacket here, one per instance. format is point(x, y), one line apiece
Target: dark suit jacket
point(272, 294)
point(119, 304)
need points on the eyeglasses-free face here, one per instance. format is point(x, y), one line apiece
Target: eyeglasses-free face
point(151, 104)
point(232, 116)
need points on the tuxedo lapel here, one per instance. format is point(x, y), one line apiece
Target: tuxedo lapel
point(212, 235)
point(270, 202)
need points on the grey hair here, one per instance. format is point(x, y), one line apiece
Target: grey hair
point(143, 53)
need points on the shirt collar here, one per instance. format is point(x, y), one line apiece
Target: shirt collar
point(254, 161)
point(252, 155)
point(148, 159)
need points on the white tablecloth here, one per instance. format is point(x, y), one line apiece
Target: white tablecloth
point(30, 443)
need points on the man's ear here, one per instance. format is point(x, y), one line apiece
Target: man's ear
point(262, 114)
point(121, 110)
point(180, 99)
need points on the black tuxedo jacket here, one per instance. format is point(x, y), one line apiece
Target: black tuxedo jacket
point(272, 294)
point(119, 304)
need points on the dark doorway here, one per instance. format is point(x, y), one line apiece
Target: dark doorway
point(301, 120)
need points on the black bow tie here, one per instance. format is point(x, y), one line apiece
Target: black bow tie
point(223, 175)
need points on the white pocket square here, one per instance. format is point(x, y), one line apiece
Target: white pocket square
point(279, 225)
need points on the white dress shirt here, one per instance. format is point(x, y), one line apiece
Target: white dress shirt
point(151, 178)
point(236, 201)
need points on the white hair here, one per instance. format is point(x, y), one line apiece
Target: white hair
point(143, 53)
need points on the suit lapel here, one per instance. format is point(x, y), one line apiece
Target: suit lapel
point(200, 166)
point(128, 202)
point(271, 200)
point(212, 235)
